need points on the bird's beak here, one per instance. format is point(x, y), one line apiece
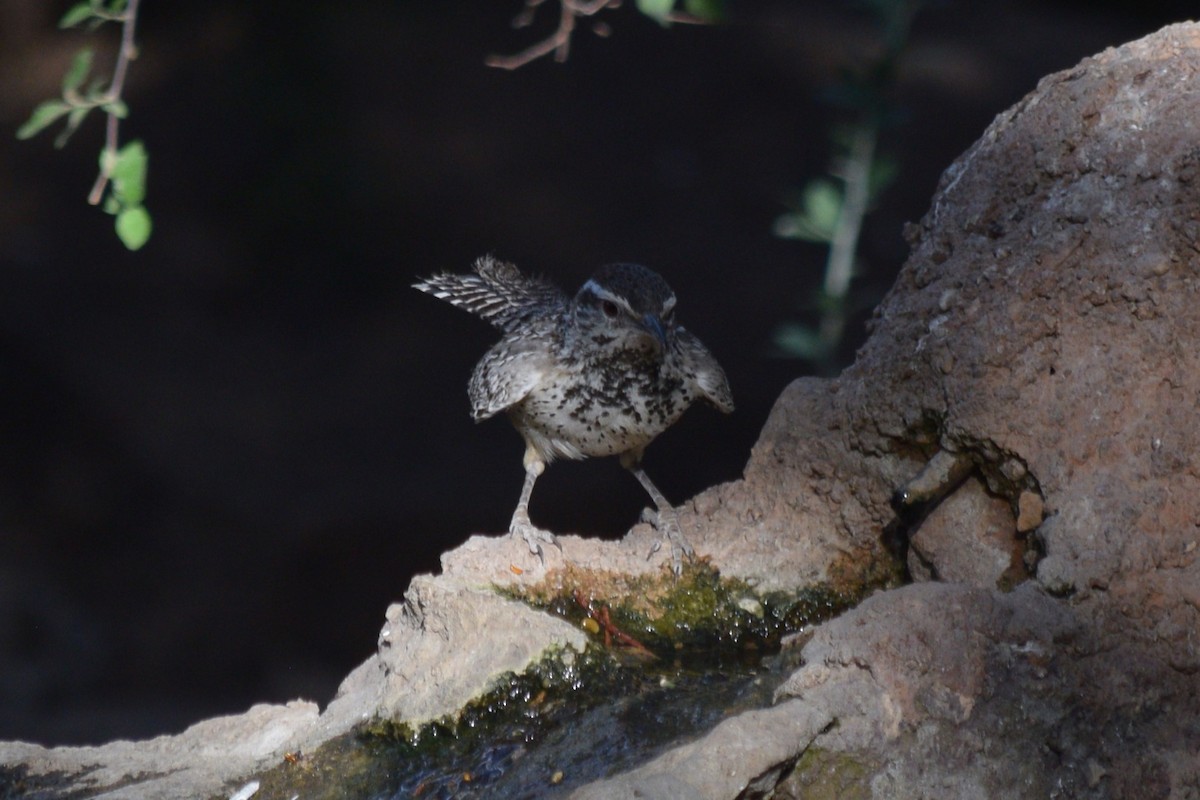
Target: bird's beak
point(654, 325)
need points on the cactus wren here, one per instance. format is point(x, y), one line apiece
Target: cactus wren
point(599, 374)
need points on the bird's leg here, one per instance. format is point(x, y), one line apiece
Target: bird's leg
point(521, 525)
point(668, 518)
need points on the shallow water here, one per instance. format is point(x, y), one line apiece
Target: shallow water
point(658, 709)
point(541, 736)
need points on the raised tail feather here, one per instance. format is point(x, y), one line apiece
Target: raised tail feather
point(497, 292)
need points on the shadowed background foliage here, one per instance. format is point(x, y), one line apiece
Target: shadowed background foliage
point(225, 454)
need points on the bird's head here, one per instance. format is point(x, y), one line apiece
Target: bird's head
point(627, 307)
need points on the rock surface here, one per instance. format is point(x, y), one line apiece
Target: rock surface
point(971, 537)
point(450, 640)
point(199, 762)
point(1047, 328)
point(750, 750)
point(447, 644)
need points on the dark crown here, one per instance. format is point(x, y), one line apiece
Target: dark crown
point(643, 289)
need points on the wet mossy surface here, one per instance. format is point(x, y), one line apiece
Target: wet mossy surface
point(821, 774)
point(16, 782)
point(699, 614)
point(670, 657)
point(569, 719)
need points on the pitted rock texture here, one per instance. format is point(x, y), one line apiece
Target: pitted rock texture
point(1047, 328)
point(1048, 324)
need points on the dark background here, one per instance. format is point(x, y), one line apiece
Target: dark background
point(223, 456)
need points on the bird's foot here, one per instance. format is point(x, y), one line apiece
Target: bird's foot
point(666, 521)
point(534, 536)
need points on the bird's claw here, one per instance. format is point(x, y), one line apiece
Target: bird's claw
point(534, 537)
point(667, 524)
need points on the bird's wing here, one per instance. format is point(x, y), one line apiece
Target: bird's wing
point(507, 374)
point(497, 292)
point(700, 364)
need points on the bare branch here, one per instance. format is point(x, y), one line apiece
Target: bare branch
point(126, 53)
point(684, 18)
point(558, 42)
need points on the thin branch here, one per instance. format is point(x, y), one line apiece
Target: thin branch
point(684, 18)
point(558, 42)
point(126, 53)
point(855, 171)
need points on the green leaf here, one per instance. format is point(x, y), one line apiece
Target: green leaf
point(75, 15)
point(657, 10)
point(707, 10)
point(798, 341)
point(817, 218)
point(73, 121)
point(78, 72)
point(44, 115)
point(133, 226)
point(883, 172)
point(108, 160)
point(828, 304)
point(793, 226)
point(823, 205)
point(129, 174)
point(117, 108)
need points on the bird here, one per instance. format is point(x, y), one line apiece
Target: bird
point(601, 373)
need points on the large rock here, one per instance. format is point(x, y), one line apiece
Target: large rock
point(454, 636)
point(447, 644)
point(200, 762)
point(812, 503)
point(1044, 334)
point(970, 537)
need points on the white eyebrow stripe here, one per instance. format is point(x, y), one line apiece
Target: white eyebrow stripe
point(605, 294)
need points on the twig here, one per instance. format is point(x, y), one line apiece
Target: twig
point(611, 631)
point(855, 171)
point(126, 53)
point(558, 42)
point(684, 18)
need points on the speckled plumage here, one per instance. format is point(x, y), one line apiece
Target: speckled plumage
point(599, 374)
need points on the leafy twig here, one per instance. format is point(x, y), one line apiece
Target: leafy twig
point(833, 214)
point(126, 53)
point(122, 169)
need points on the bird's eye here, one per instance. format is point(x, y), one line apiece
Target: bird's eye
point(610, 308)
